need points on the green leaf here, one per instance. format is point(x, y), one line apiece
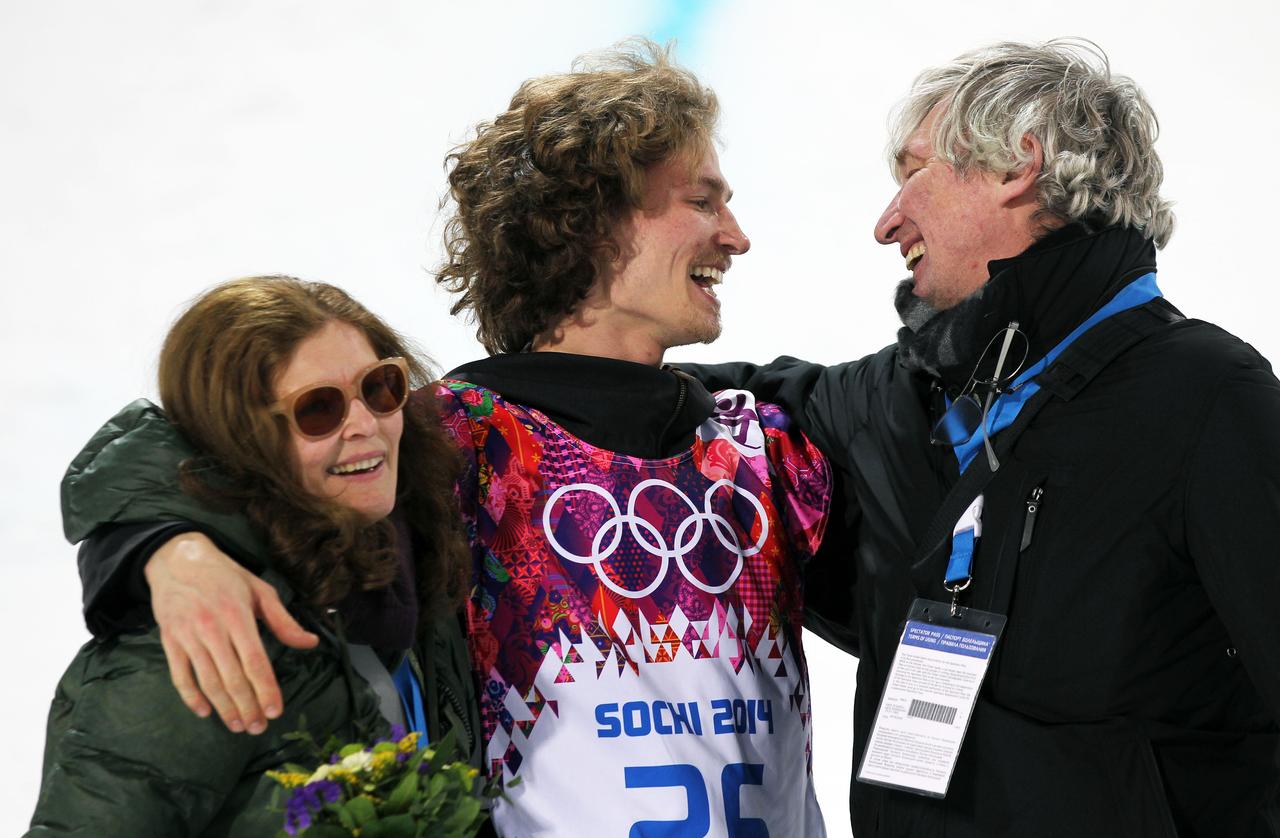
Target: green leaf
point(331, 745)
point(404, 792)
point(427, 808)
point(353, 748)
point(383, 747)
point(462, 817)
point(396, 826)
point(448, 744)
point(436, 761)
point(325, 830)
point(344, 816)
point(361, 808)
point(444, 751)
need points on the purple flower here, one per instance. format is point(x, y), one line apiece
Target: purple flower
point(327, 790)
point(397, 733)
point(308, 800)
point(297, 815)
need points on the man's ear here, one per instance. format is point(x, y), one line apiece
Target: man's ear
point(1020, 185)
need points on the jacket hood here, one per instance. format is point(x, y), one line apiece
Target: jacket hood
point(630, 408)
point(128, 473)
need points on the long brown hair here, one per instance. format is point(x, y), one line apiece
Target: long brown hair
point(217, 375)
point(538, 192)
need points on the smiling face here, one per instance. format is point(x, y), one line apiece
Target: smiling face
point(948, 226)
point(674, 251)
point(355, 466)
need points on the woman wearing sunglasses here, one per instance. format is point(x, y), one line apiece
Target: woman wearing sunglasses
point(292, 397)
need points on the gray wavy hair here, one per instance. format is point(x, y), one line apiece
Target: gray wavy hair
point(1097, 129)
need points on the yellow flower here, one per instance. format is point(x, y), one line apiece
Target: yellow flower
point(409, 743)
point(382, 764)
point(289, 779)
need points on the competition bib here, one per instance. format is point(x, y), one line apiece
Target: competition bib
point(636, 625)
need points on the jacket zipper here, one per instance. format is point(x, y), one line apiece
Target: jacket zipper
point(675, 414)
point(427, 662)
point(460, 710)
point(1034, 502)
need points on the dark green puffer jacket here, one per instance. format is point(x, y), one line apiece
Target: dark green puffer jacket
point(124, 756)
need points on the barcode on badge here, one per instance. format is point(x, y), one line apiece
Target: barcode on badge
point(932, 712)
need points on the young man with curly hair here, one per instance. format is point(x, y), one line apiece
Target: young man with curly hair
point(635, 620)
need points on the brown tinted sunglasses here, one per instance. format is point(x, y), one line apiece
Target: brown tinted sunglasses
point(318, 410)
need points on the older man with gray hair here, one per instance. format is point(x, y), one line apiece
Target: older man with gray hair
point(1063, 495)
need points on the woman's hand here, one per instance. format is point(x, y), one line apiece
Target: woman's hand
point(207, 607)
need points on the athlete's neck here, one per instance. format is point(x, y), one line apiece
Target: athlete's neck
point(633, 346)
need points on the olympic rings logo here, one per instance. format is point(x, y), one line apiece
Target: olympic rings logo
point(651, 539)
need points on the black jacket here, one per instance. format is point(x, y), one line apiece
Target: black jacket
point(1136, 690)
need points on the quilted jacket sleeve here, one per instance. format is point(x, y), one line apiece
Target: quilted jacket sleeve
point(125, 757)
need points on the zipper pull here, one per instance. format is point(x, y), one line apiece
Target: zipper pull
point(1029, 522)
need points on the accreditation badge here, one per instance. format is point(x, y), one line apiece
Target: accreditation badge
point(929, 696)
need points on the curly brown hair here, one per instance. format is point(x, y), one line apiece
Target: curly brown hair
point(217, 375)
point(539, 190)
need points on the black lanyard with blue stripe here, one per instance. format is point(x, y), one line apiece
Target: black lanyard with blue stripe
point(1005, 409)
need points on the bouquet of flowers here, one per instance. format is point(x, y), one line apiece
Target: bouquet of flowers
point(393, 789)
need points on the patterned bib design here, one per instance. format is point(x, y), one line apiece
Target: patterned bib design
point(636, 624)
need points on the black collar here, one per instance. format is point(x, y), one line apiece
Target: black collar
point(1050, 288)
point(620, 406)
point(1063, 278)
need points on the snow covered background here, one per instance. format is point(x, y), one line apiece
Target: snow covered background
point(149, 149)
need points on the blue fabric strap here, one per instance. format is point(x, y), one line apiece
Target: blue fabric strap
point(1006, 406)
point(411, 699)
point(1004, 410)
point(961, 557)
